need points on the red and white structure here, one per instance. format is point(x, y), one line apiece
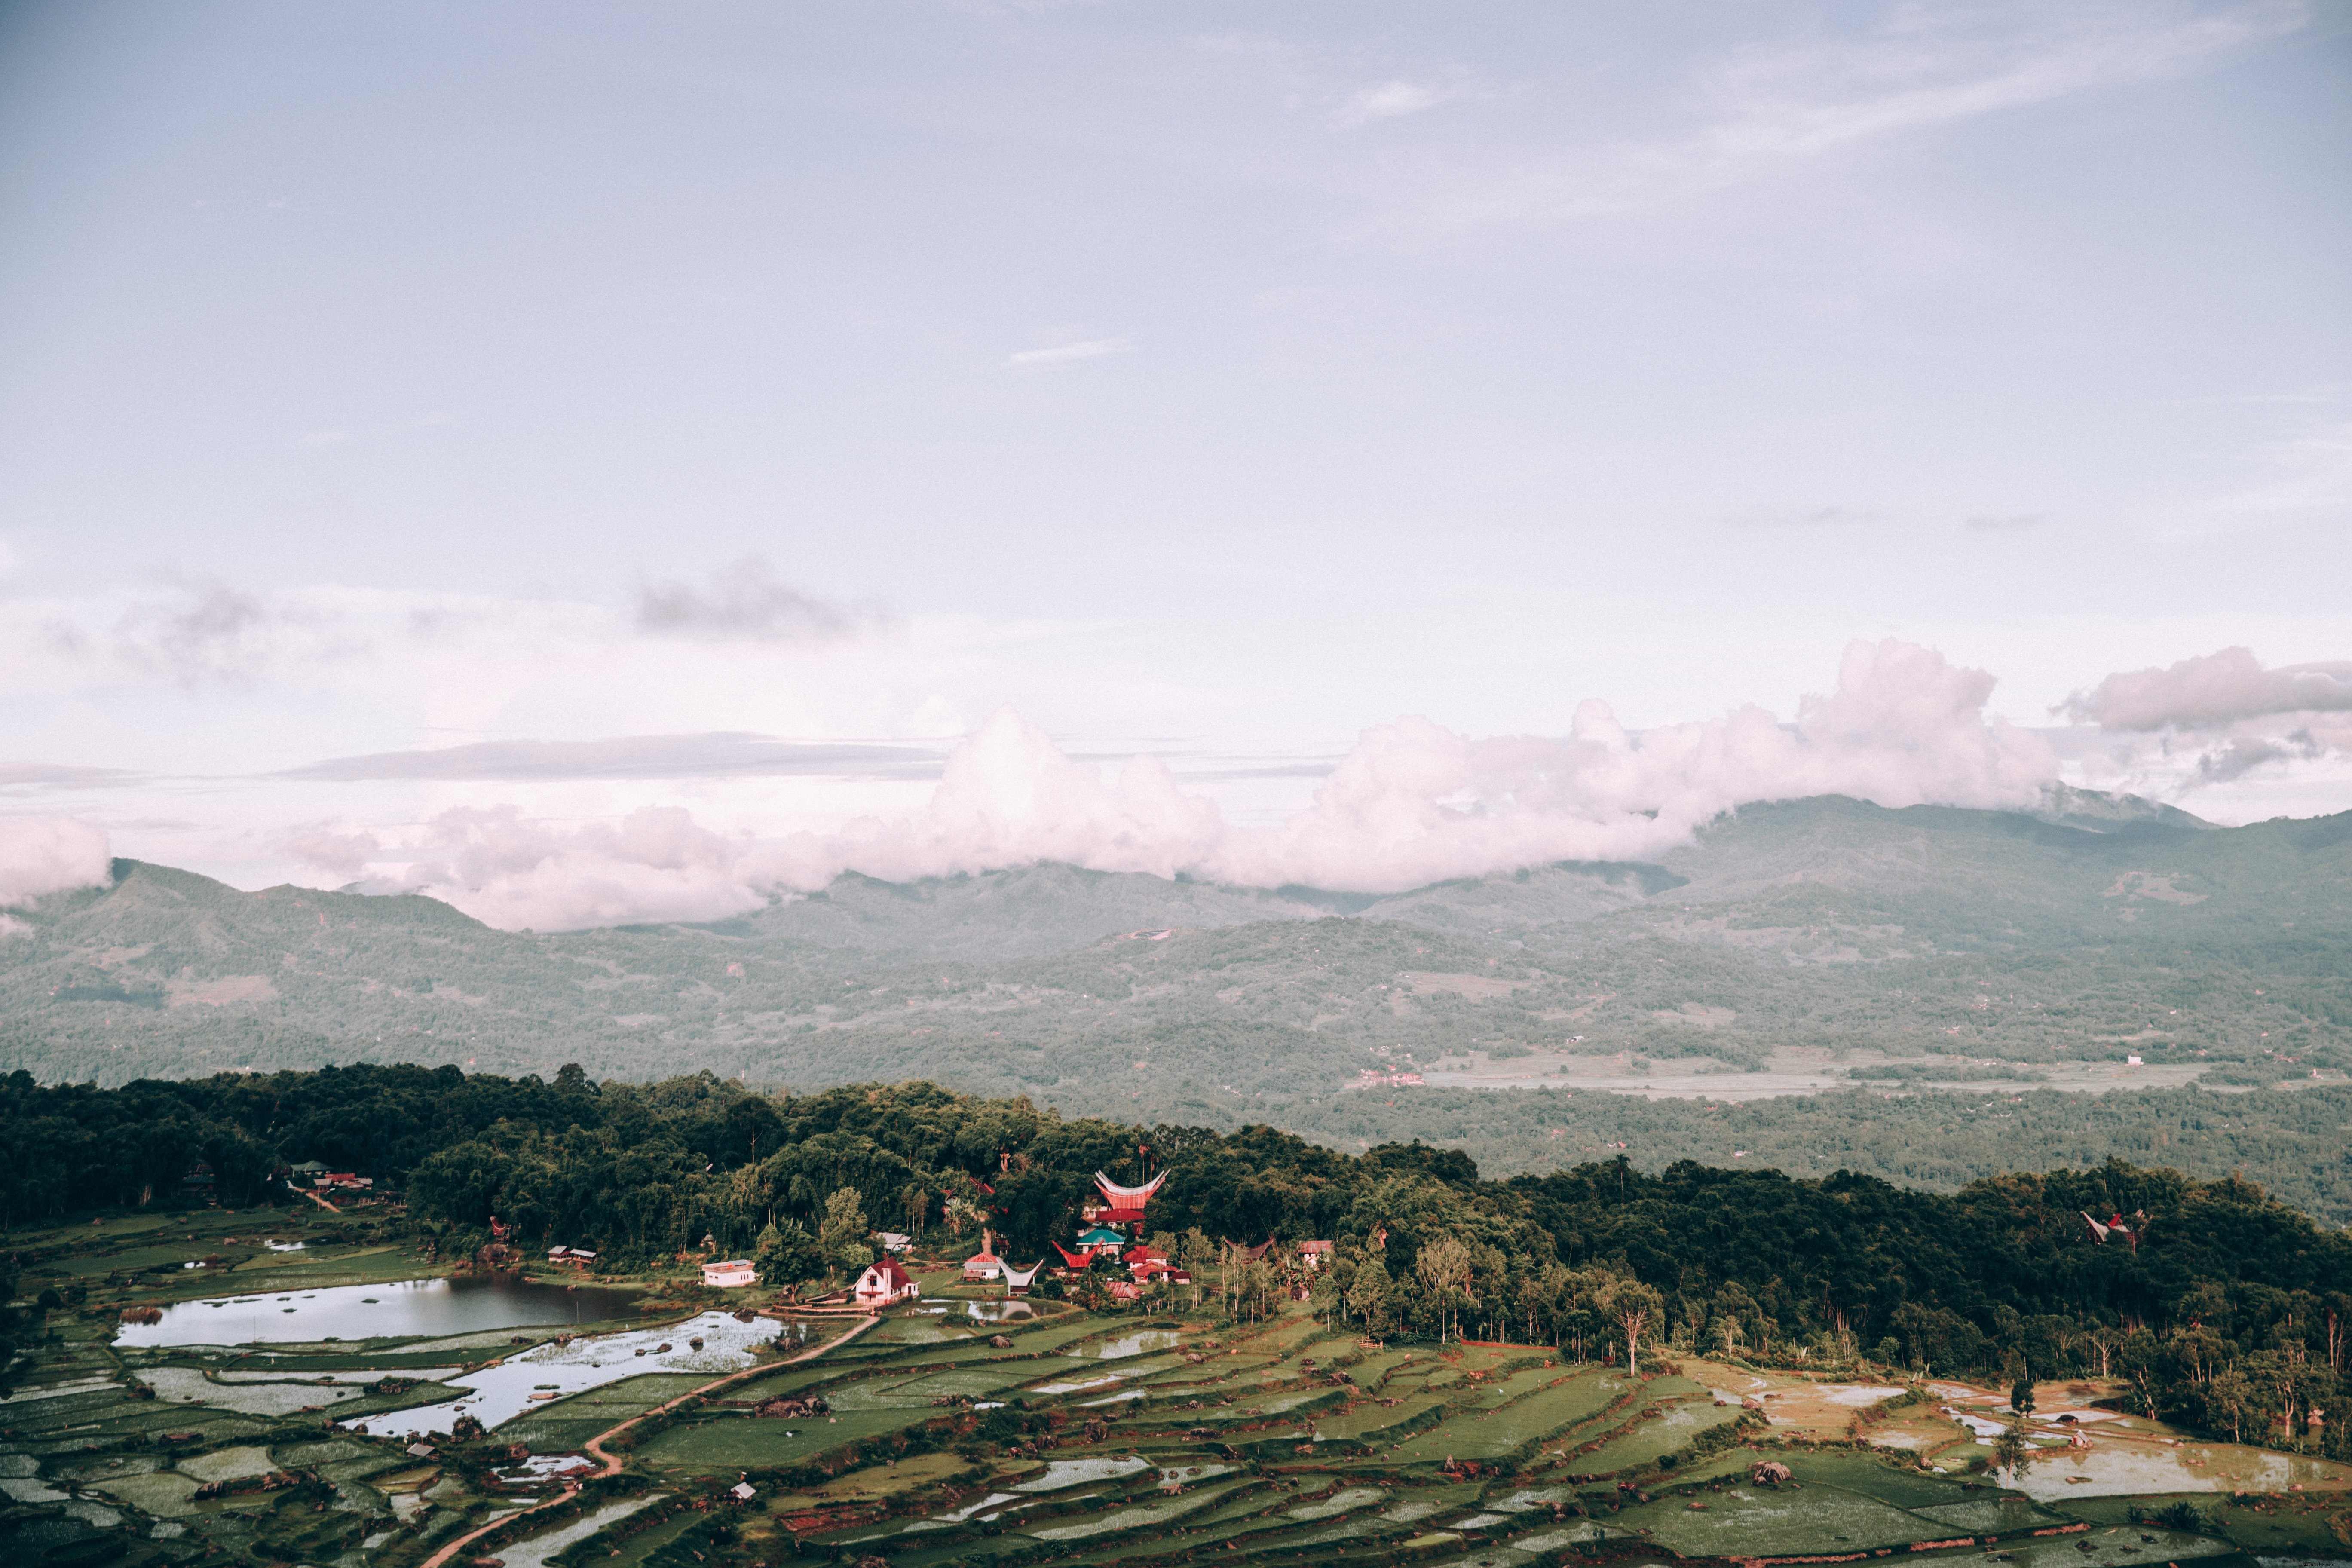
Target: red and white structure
point(1123, 1206)
point(884, 1283)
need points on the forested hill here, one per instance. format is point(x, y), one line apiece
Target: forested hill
point(2001, 1272)
point(1822, 923)
point(1811, 945)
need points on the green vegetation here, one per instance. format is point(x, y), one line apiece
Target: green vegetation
point(1844, 943)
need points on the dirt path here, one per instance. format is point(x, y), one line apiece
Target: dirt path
point(595, 1445)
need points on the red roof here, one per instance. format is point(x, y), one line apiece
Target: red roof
point(1119, 1216)
point(893, 1277)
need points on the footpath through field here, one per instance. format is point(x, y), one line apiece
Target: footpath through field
point(595, 1446)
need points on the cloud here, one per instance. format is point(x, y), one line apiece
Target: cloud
point(43, 855)
point(2211, 690)
point(201, 632)
point(344, 857)
point(1393, 99)
point(744, 601)
point(59, 775)
point(2011, 523)
point(1765, 109)
point(1066, 354)
point(715, 754)
point(1412, 803)
point(2307, 476)
point(654, 864)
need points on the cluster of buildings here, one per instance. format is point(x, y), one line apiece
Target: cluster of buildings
point(1374, 1078)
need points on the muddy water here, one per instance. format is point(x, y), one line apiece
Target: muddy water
point(2118, 1467)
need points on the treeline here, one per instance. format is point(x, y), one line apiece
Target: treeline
point(2230, 1315)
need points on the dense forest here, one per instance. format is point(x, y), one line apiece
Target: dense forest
point(2229, 1314)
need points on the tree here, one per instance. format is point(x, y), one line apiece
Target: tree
point(2011, 1451)
point(2021, 1394)
point(1444, 1268)
point(787, 1255)
point(842, 1233)
point(1632, 1306)
point(1196, 1255)
point(1368, 1295)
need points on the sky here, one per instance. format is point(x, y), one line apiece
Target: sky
point(597, 462)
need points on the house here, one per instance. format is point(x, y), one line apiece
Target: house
point(1017, 1280)
point(1124, 1290)
point(1101, 1239)
point(1154, 1265)
point(983, 1265)
point(741, 1492)
point(345, 1179)
point(730, 1275)
point(571, 1256)
point(1314, 1254)
point(883, 1283)
point(896, 1241)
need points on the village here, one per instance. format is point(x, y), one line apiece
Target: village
point(1103, 1399)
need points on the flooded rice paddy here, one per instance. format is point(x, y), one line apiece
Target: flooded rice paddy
point(503, 1390)
point(404, 1309)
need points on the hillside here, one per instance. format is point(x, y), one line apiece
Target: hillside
point(1797, 946)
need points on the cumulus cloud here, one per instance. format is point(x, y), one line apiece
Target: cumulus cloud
point(506, 871)
point(745, 600)
point(43, 855)
point(2211, 690)
point(1412, 803)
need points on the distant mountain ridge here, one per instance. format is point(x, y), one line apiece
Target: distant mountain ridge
point(1822, 923)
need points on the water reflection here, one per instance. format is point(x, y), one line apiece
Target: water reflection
point(404, 1308)
point(711, 1345)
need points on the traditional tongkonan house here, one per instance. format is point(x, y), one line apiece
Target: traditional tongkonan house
point(1314, 1254)
point(1123, 1206)
point(1018, 1281)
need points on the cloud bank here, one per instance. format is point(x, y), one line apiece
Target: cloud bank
point(44, 854)
point(1412, 803)
point(2211, 690)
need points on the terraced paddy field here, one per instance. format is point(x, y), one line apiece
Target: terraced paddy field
point(1051, 1436)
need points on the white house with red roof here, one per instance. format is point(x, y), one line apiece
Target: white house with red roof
point(884, 1283)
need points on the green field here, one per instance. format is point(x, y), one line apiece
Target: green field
point(1142, 1487)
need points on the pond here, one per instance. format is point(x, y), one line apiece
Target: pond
point(999, 1312)
point(402, 1309)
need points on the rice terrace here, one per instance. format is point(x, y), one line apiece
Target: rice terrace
point(1044, 1356)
